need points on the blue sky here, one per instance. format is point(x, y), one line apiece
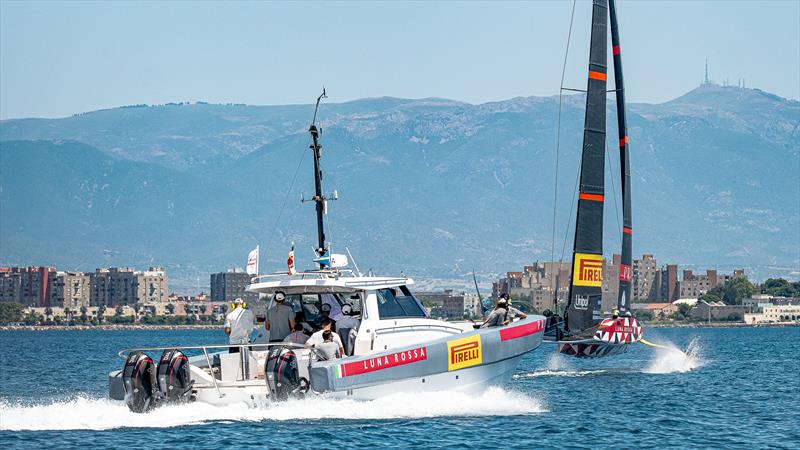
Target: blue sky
point(60, 58)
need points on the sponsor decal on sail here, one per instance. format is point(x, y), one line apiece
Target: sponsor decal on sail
point(625, 273)
point(382, 362)
point(588, 270)
point(464, 352)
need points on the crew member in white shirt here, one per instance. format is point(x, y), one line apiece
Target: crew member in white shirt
point(239, 324)
point(317, 338)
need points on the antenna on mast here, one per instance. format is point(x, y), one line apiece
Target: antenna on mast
point(321, 96)
point(704, 82)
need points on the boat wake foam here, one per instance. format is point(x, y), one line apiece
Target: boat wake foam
point(672, 359)
point(558, 366)
point(83, 413)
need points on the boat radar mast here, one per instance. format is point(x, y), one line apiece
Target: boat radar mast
point(321, 201)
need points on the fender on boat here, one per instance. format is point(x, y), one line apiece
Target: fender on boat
point(461, 351)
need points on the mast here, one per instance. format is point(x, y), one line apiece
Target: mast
point(625, 271)
point(584, 303)
point(319, 198)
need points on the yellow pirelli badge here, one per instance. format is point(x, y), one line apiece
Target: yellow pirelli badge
point(588, 270)
point(464, 352)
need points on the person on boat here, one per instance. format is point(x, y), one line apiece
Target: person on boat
point(280, 319)
point(499, 316)
point(348, 321)
point(513, 312)
point(300, 318)
point(328, 350)
point(326, 314)
point(239, 323)
point(317, 337)
point(297, 336)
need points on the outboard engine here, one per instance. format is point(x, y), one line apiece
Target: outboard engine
point(283, 377)
point(139, 380)
point(173, 377)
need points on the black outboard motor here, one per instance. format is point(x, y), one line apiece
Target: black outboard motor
point(139, 380)
point(283, 377)
point(173, 377)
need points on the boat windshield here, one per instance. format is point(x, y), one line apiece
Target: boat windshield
point(398, 302)
point(310, 305)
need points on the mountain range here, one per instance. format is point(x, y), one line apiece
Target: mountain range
point(431, 187)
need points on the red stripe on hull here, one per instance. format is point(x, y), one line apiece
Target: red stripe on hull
point(507, 334)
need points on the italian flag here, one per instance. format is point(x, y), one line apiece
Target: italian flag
point(290, 260)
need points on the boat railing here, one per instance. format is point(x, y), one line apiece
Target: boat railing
point(125, 352)
point(243, 350)
point(402, 328)
point(312, 274)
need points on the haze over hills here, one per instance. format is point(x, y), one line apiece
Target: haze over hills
point(433, 187)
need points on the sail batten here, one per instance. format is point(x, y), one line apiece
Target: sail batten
point(625, 270)
point(584, 304)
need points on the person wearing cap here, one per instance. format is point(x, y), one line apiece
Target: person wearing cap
point(499, 316)
point(513, 312)
point(239, 323)
point(325, 313)
point(280, 319)
point(348, 321)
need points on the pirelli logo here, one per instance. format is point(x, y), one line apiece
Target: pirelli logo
point(588, 270)
point(464, 352)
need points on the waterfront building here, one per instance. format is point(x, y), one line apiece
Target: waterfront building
point(774, 314)
point(667, 285)
point(227, 286)
point(718, 311)
point(151, 285)
point(125, 286)
point(644, 279)
point(659, 311)
point(694, 286)
point(112, 286)
point(27, 285)
point(69, 290)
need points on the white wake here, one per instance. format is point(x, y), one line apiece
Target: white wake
point(103, 414)
point(672, 359)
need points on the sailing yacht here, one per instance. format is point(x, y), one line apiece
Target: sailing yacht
point(583, 331)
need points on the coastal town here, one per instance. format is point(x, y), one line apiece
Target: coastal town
point(45, 296)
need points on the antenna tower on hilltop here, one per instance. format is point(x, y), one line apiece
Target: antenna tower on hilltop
point(705, 81)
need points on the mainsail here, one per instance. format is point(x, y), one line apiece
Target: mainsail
point(625, 271)
point(584, 304)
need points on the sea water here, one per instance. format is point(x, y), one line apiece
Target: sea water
point(732, 388)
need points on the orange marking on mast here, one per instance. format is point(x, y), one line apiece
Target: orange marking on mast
point(591, 197)
point(597, 75)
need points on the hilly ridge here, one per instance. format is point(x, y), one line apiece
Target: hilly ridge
point(434, 187)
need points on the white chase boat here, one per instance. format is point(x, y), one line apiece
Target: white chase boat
point(396, 347)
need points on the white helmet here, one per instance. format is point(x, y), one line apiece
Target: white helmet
point(346, 310)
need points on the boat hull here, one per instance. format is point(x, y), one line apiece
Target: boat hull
point(467, 362)
point(612, 337)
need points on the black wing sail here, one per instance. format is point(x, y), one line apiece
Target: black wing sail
point(584, 305)
point(625, 272)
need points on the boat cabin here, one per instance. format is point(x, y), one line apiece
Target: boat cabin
point(389, 314)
